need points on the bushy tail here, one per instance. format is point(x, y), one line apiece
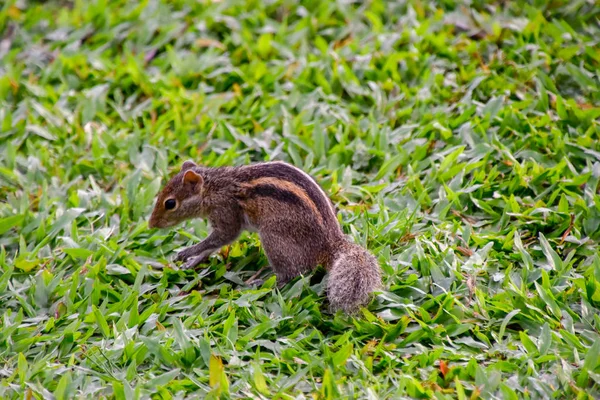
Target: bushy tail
point(353, 276)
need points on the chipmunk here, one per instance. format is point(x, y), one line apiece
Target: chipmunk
point(293, 216)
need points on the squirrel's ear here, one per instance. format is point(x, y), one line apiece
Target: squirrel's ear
point(188, 165)
point(192, 177)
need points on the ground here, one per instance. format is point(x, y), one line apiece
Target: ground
point(459, 141)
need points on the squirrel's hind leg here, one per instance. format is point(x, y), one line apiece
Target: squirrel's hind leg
point(290, 255)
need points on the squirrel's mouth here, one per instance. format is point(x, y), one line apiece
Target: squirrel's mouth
point(152, 223)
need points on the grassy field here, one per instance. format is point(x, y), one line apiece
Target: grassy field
point(461, 146)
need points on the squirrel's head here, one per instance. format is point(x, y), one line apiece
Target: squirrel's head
point(180, 198)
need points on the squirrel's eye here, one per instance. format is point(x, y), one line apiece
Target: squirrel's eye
point(170, 204)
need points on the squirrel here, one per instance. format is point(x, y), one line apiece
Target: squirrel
point(295, 220)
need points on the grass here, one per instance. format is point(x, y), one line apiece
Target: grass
point(460, 143)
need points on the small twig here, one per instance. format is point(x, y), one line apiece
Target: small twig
point(564, 235)
point(466, 218)
point(465, 251)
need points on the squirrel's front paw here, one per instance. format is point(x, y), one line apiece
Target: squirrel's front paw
point(192, 262)
point(184, 255)
point(190, 258)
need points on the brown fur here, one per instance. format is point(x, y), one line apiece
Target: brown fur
point(287, 186)
point(294, 218)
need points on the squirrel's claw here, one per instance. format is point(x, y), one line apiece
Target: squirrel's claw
point(182, 256)
point(191, 257)
point(192, 262)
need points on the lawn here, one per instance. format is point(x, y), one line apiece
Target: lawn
point(460, 142)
